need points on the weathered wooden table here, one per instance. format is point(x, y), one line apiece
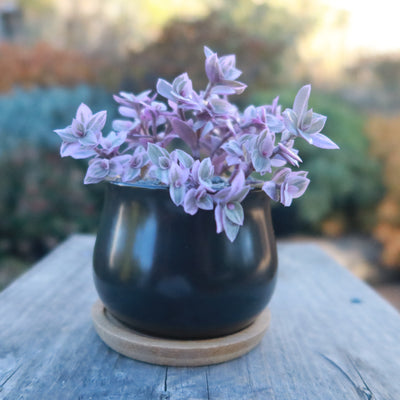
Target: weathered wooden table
point(331, 337)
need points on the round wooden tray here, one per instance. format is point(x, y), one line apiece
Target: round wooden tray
point(181, 353)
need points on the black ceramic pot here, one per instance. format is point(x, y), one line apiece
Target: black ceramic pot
point(169, 274)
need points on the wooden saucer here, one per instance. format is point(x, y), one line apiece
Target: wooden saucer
point(179, 353)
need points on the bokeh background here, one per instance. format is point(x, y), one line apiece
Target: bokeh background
point(55, 54)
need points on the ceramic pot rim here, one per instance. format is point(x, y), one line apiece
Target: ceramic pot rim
point(155, 185)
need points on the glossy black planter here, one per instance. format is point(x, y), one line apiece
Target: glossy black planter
point(169, 274)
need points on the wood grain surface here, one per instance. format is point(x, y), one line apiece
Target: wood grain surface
point(331, 337)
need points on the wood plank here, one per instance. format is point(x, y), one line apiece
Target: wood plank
point(48, 346)
point(328, 333)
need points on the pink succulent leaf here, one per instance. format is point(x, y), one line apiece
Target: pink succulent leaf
point(307, 120)
point(208, 127)
point(76, 150)
point(98, 169)
point(177, 175)
point(289, 155)
point(207, 51)
point(83, 114)
point(198, 124)
point(306, 136)
point(233, 148)
point(67, 134)
point(130, 174)
point(164, 88)
point(204, 201)
point(300, 104)
point(293, 187)
point(237, 183)
point(190, 202)
point(249, 115)
point(261, 150)
point(139, 157)
point(78, 127)
point(182, 86)
point(213, 69)
point(231, 229)
point(280, 175)
point(164, 163)
point(228, 67)
point(222, 107)
point(206, 172)
point(162, 175)
point(278, 161)
point(219, 220)
point(132, 165)
point(184, 158)
point(317, 123)
point(117, 165)
point(177, 194)
point(120, 125)
point(322, 141)
point(195, 171)
point(275, 124)
point(223, 90)
point(285, 197)
point(228, 87)
point(234, 212)
point(97, 122)
point(128, 112)
point(113, 141)
point(155, 152)
point(166, 140)
point(185, 132)
point(131, 100)
point(238, 190)
point(291, 121)
point(241, 194)
point(260, 163)
point(90, 139)
point(271, 189)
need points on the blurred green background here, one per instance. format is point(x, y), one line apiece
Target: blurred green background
point(55, 54)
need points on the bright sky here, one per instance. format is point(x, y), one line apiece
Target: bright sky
point(373, 26)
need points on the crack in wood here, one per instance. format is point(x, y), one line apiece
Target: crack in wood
point(165, 395)
point(2, 384)
point(208, 388)
point(364, 392)
point(165, 379)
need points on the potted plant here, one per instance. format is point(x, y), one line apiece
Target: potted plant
point(161, 263)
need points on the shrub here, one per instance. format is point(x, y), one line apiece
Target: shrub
point(384, 132)
point(42, 201)
point(346, 186)
point(30, 116)
point(177, 49)
point(43, 65)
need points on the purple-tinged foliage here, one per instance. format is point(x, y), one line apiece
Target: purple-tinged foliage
point(306, 124)
point(220, 154)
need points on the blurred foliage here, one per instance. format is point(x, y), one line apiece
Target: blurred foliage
point(263, 58)
point(374, 83)
point(345, 184)
point(42, 201)
point(43, 65)
point(384, 132)
point(42, 198)
point(30, 116)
